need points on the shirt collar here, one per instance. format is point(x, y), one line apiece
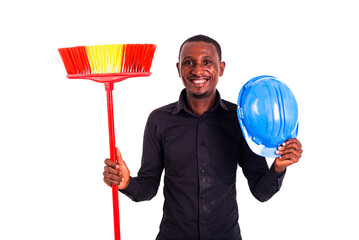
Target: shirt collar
point(181, 104)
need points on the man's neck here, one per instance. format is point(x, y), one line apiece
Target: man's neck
point(201, 105)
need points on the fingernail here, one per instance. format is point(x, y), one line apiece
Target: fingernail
point(277, 152)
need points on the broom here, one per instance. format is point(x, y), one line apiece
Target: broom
point(109, 64)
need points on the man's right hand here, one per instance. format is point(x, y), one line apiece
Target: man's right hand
point(116, 174)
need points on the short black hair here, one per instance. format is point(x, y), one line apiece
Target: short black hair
point(203, 38)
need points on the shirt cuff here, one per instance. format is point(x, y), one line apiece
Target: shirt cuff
point(277, 178)
point(127, 191)
point(280, 174)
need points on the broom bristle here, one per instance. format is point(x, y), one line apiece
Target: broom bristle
point(111, 58)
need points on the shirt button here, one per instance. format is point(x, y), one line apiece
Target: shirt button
point(203, 171)
point(203, 222)
point(202, 144)
point(203, 196)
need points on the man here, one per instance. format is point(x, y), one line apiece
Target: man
point(199, 143)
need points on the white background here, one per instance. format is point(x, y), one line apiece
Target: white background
point(53, 130)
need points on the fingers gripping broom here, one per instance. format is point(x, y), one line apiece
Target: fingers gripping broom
point(109, 64)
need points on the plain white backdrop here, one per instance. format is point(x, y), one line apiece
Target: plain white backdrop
point(53, 131)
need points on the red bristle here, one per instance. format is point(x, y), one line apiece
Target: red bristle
point(66, 58)
point(148, 53)
point(134, 61)
point(70, 55)
point(133, 58)
point(144, 63)
point(78, 55)
point(75, 60)
point(142, 59)
point(128, 58)
point(149, 57)
point(68, 61)
point(83, 63)
point(139, 57)
point(124, 56)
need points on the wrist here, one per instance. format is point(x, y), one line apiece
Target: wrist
point(279, 169)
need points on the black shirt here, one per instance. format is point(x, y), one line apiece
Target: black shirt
point(200, 155)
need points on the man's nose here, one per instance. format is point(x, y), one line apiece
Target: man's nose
point(198, 70)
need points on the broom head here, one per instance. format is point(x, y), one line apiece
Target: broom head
point(108, 63)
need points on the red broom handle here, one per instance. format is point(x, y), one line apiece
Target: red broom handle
point(111, 130)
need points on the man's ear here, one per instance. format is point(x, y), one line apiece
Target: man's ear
point(222, 66)
point(178, 69)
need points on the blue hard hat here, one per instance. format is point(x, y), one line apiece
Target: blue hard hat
point(268, 114)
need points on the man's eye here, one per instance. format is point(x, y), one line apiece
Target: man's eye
point(188, 62)
point(207, 62)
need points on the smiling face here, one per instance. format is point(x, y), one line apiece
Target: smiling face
point(199, 67)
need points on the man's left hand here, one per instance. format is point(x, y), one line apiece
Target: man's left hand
point(290, 151)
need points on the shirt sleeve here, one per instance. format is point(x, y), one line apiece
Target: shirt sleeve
point(145, 185)
point(263, 182)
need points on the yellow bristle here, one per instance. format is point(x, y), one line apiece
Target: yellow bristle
point(105, 58)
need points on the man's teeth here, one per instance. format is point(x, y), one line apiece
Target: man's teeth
point(199, 81)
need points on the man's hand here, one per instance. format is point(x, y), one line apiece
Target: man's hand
point(116, 174)
point(290, 151)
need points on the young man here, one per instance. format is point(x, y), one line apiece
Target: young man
point(199, 143)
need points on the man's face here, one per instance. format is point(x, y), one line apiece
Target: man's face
point(199, 67)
